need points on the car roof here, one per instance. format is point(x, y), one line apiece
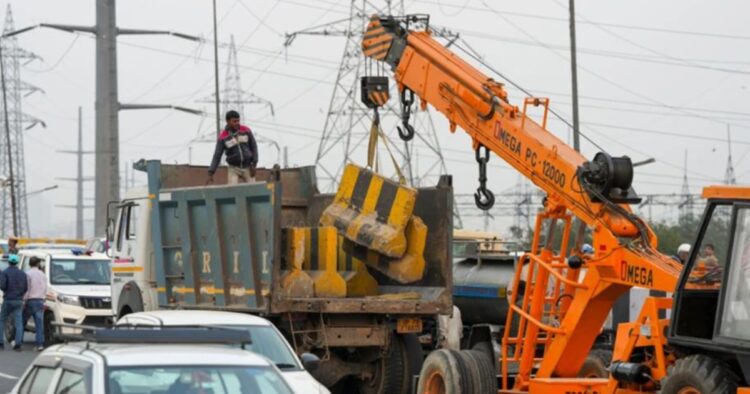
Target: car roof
point(192, 317)
point(121, 355)
point(61, 253)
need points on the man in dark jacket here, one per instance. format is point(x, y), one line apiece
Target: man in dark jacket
point(14, 284)
point(238, 143)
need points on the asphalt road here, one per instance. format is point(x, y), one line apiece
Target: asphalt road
point(13, 364)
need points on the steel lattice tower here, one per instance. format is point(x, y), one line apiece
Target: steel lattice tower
point(18, 121)
point(347, 126)
point(686, 207)
point(233, 96)
point(729, 177)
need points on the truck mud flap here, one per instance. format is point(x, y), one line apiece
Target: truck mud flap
point(371, 211)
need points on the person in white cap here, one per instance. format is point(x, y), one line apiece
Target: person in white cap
point(683, 251)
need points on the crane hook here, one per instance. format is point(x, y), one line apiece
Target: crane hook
point(484, 198)
point(407, 99)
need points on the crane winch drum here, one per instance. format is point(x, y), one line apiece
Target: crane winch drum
point(609, 178)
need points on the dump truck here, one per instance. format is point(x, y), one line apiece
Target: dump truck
point(267, 248)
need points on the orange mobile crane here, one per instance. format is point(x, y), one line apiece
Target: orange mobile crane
point(561, 297)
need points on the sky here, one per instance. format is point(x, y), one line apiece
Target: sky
point(656, 79)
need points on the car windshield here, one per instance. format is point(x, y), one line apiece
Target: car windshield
point(269, 343)
point(196, 379)
point(73, 271)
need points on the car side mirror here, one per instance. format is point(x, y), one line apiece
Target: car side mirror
point(310, 361)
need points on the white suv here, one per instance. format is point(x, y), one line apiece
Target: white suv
point(78, 287)
point(267, 341)
point(120, 364)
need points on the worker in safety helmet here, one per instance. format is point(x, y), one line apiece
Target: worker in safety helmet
point(241, 150)
point(683, 251)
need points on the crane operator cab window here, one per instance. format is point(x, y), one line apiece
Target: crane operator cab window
point(699, 298)
point(735, 317)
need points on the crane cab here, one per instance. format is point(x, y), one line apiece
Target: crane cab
point(711, 315)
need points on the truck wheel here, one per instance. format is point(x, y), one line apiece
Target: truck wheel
point(699, 374)
point(440, 374)
point(487, 376)
point(468, 370)
point(413, 358)
point(596, 364)
point(388, 373)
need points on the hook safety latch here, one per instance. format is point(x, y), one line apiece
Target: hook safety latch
point(484, 198)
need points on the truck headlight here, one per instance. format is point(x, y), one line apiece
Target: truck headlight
point(68, 299)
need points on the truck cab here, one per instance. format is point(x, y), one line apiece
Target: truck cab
point(132, 289)
point(78, 287)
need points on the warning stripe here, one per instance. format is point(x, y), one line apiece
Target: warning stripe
point(363, 193)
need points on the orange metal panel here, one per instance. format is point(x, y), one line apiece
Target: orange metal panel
point(727, 192)
point(568, 385)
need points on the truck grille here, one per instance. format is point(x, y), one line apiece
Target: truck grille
point(96, 302)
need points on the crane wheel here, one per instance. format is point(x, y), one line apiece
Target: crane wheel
point(441, 373)
point(699, 374)
point(596, 364)
point(485, 378)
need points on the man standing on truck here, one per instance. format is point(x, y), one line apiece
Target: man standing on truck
point(238, 143)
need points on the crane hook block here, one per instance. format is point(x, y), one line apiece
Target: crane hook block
point(609, 178)
point(375, 91)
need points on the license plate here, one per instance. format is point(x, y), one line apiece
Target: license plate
point(407, 325)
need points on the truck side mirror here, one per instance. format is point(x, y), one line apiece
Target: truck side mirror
point(310, 361)
point(110, 229)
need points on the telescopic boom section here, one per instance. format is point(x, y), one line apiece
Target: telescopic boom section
point(625, 246)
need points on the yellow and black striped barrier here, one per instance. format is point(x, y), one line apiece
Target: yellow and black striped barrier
point(359, 282)
point(314, 249)
point(407, 269)
point(372, 211)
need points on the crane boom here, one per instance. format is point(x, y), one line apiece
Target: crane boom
point(625, 253)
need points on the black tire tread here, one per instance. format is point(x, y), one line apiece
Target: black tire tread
point(704, 373)
point(487, 383)
point(391, 370)
point(413, 358)
point(468, 374)
point(598, 360)
point(445, 362)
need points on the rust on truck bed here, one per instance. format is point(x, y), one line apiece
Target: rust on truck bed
point(226, 226)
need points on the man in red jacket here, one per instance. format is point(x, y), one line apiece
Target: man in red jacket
point(241, 150)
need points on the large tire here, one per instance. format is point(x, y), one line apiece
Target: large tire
point(388, 374)
point(596, 364)
point(699, 374)
point(486, 374)
point(467, 368)
point(440, 374)
point(413, 357)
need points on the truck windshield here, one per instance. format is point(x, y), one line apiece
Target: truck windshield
point(79, 272)
point(269, 343)
point(196, 379)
